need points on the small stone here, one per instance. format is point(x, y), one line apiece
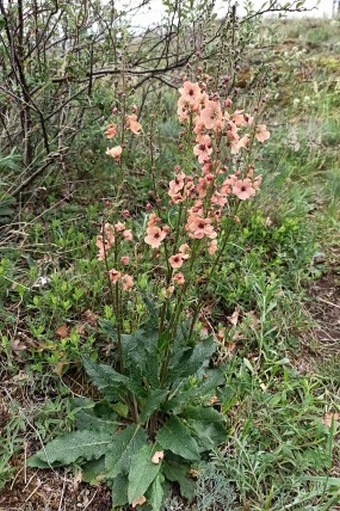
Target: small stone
point(319, 258)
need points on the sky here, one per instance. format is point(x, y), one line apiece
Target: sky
point(154, 12)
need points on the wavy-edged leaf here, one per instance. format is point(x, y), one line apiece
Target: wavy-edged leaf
point(124, 445)
point(204, 414)
point(176, 437)
point(87, 419)
point(194, 359)
point(209, 436)
point(142, 472)
point(93, 471)
point(68, 448)
point(157, 492)
point(177, 471)
point(120, 491)
point(141, 353)
point(107, 379)
point(202, 388)
point(152, 403)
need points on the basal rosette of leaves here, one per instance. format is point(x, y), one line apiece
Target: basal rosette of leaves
point(159, 414)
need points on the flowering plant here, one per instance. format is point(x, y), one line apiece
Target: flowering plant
point(160, 409)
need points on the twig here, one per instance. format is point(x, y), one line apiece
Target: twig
point(328, 303)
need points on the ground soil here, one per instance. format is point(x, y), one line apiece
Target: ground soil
point(38, 490)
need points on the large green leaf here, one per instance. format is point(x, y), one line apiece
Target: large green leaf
point(204, 414)
point(157, 492)
point(87, 419)
point(106, 379)
point(67, 449)
point(198, 390)
point(94, 415)
point(142, 472)
point(152, 403)
point(209, 436)
point(177, 471)
point(193, 360)
point(141, 354)
point(120, 491)
point(124, 445)
point(176, 437)
point(93, 471)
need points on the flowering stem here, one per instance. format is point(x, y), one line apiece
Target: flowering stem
point(172, 327)
point(211, 274)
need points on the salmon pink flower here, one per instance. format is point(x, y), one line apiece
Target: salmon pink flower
point(212, 247)
point(200, 228)
point(249, 119)
point(257, 182)
point(111, 131)
point(183, 110)
point(218, 212)
point(242, 143)
point(132, 123)
point(177, 198)
point(167, 292)
point(128, 282)
point(185, 251)
point(203, 149)
point(199, 126)
point(125, 260)
point(211, 115)
point(115, 152)
point(114, 275)
point(191, 93)
point(238, 118)
point(176, 184)
point(119, 226)
point(178, 278)
point(203, 99)
point(227, 185)
point(202, 187)
point(232, 133)
point(218, 199)
point(243, 189)
point(127, 235)
point(102, 248)
point(109, 233)
point(153, 220)
point(154, 236)
point(262, 134)
point(176, 261)
point(207, 168)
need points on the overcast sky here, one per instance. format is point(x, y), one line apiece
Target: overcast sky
point(153, 13)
